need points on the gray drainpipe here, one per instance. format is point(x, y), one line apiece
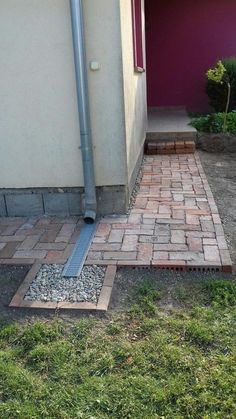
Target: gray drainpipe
point(83, 107)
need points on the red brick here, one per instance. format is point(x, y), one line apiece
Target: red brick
point(208, 226)
point(9, 250)
point(227, 269)
point(178, 214)
point(99, 240)
point(210, 242)
point(187, 256)
point(50, 246)
point(151, 149)
point(9, 239)
point(119, 255)
point(161, 145)
point(222, 244)
point(216, 219)
point(125, 226)
point(129, 243)
point(54, 255)
point(89, 262)
point(219, 230)
point(116, 236)
point(170, 247)
point(164, 209)
point(28, 254)
point(152, 205)
point(68, 250)
point(11, 229)
point(170, 145)
point(179, 144)
point(192, 219)
point(160, 256)
point(145, 251)
point(169, 263)
point(178, 237)
point(225, 258)
point(103, 230)
point(211, 253)
point(51, 233)
point(109, 247)
point(104, 298)
point(110, 276)
point(65, 233)
point(195, 244)
point(29, 243)
point(134, 219)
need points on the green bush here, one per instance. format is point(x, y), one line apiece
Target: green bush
point(214, 123)
point(217, 92)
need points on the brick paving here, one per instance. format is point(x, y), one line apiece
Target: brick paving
point(174, 222)
point(44, 239)
point(170, 147)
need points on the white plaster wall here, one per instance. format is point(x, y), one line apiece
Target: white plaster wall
point(134, 90)
point(103, 44)
point(39, 129)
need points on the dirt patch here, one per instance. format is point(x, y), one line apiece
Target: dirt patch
point(221, 173)
point(217, 143)
point(177, 289)
point(10, 279)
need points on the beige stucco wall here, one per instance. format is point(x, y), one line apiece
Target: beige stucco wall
point(134, 90)
point(39, 129)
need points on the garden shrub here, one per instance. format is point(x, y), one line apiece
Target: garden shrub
point(214, 123)
point(217, 93)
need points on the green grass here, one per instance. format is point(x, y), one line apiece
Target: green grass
point(148, 362)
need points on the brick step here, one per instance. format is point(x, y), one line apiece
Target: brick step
point(190, 134)
point(170, 147)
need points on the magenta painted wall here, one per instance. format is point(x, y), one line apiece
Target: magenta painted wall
point(185, 38)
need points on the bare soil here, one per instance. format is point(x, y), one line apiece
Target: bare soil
point(221, 173)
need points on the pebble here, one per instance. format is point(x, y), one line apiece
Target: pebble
point(50, 285)
point(135, 190)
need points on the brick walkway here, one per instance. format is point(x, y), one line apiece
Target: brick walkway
point(174, 223)
point(48, 239)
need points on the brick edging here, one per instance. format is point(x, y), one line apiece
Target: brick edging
point(102, 305)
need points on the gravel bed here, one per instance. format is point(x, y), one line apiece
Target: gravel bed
point(135, 189)
point(50, 285)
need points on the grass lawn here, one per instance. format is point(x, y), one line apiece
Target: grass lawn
point(149, 361)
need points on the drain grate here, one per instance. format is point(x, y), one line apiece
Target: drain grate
point(76, 261)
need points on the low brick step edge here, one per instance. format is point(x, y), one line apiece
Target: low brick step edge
point(170, 147)
point(171, 136)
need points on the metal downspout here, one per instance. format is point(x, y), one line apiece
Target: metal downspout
point(83, 107)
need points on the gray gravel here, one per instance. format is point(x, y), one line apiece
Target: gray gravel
point(136, 188)
point(50, 285)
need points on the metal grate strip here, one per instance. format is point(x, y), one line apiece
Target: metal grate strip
point(76, 261)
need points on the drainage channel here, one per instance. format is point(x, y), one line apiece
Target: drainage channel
point(76, 261)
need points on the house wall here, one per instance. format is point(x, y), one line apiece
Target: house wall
point(134, 88)
point(39, 128)
point(184, 39)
